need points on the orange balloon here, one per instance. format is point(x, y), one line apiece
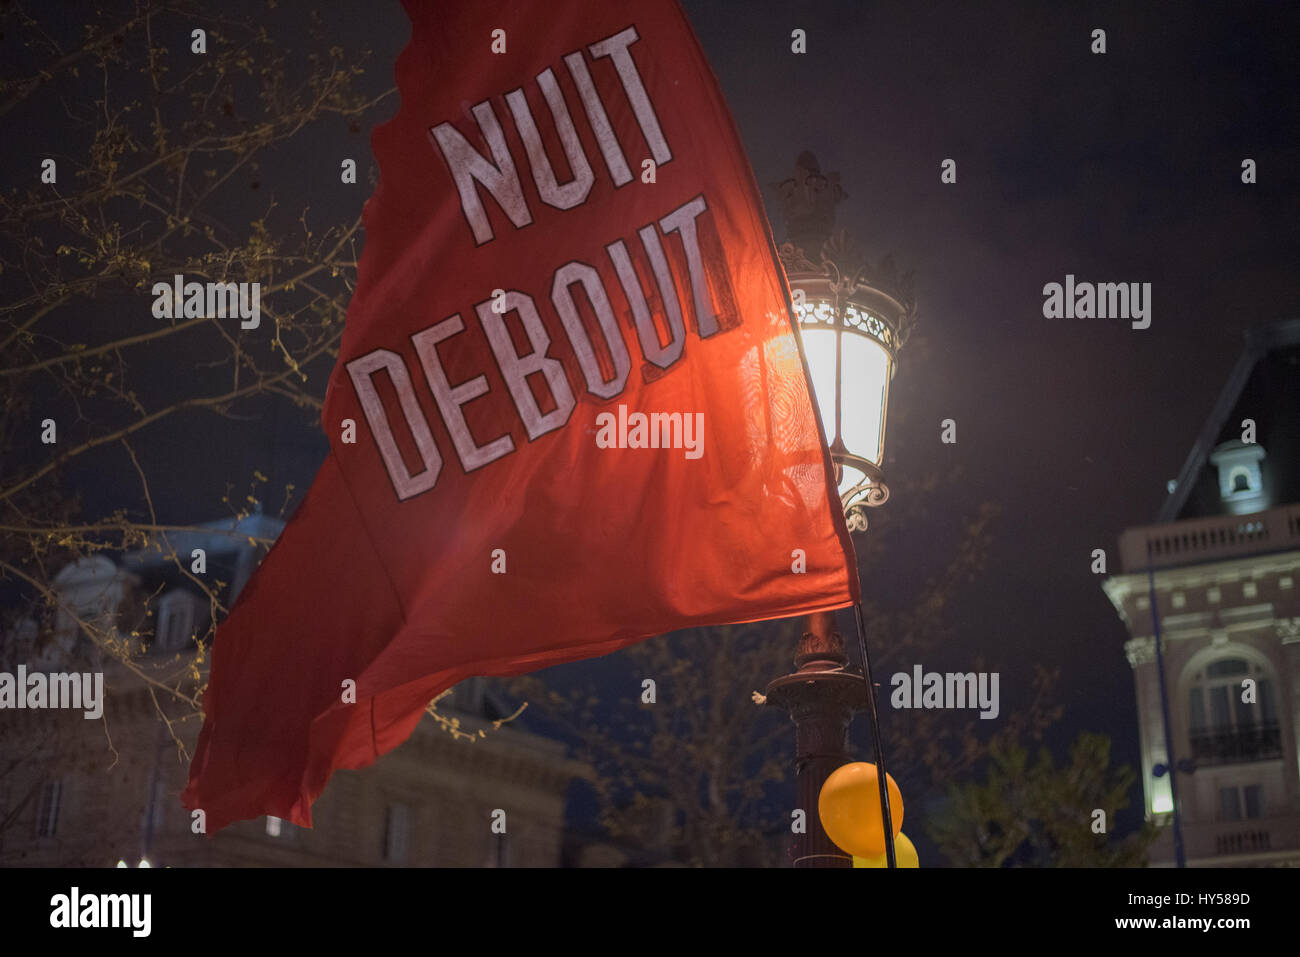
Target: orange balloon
point(904, 854)
point(849, 807)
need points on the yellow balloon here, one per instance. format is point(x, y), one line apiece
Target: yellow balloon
point(849, 807)
point(904, 851)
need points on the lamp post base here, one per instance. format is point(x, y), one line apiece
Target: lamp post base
point(821, 697)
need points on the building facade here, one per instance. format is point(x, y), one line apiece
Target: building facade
point(90, 793)
point(1216, 581)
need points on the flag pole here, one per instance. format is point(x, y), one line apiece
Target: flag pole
point(886, 820)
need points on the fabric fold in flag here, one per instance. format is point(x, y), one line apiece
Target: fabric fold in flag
point(580, 408)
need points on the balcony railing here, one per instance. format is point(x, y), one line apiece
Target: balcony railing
point(1273, 835)
point(1219, 538)
point(1243, 842)
point(1253, 742)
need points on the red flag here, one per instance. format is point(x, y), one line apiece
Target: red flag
point(580, 409)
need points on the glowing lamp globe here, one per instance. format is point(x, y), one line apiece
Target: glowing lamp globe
point(851, 332)
point(853, 317)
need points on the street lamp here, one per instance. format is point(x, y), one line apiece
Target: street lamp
point(849, 333)
point(852, 320)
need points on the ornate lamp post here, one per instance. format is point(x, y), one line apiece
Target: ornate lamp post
point(853, 319)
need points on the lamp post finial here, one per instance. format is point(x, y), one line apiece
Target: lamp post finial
point(808, 200)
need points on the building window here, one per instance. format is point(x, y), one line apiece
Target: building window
point(175, 620)
point(1241, 483)
point(1224, 728)
point(1250, 801)
point(1239, 803)
point(281, 830)
point(397, 833)
point(47, 818)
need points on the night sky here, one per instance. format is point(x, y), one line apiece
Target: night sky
point(1122, 167)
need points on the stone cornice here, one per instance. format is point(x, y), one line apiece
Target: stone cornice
point(1260, 568)
point(1140, 651)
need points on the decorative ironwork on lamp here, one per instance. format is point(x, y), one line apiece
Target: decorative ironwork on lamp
point(853, 318)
